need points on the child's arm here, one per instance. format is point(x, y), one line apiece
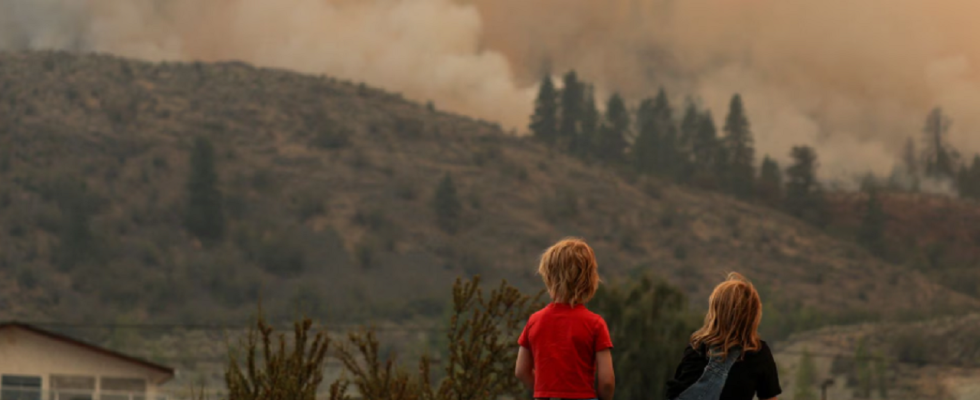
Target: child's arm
point(605, 375)
point(525, 367)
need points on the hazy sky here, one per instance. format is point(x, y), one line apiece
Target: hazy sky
point(853, 78)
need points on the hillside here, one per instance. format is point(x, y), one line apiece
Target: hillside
point(343, 227)
point(934, 359)
point(937, 235)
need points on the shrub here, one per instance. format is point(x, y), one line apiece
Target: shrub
point(446, 205)
point(332, 137)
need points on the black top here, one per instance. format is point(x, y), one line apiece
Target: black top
point(754, 374)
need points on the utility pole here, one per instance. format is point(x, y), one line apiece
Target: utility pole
point(823, 388)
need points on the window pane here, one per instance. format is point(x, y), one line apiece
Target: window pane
point(20, 381)
point(19, 387)
point(20, 394)
point(123, 385)
point(73, 382)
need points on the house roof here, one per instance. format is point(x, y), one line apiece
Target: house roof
point(101, 350)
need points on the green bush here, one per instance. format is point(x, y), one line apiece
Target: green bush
point(332, 137)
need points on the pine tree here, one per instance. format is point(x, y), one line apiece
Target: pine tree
point(910, 162)
point(204, 215)
point(571, 112)
point(709, 157)
point(668, 162)
point(612, 138)
point(77, 241)
point(969, 179)
point(940, 160)
point(446, 205)
point(770, 182)
point(590, 125)
point(738, 143)
point(804, 197)
point(690, 125)
point(544, 122)
point(872, 231)
point(806, 376)
point(645, 147)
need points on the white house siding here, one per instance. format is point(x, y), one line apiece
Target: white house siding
point(23, 352)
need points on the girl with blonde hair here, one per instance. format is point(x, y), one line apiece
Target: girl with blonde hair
point(565, 351)
point(726, 359)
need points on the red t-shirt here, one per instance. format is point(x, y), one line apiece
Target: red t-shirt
point(563, 341)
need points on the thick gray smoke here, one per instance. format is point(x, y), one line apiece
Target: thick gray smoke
point(852, 78)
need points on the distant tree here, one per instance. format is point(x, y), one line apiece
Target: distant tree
point(910, 162)
point(709, 157)
point(647, 143)
point(968, 182)
point(590, 125)
point(571, 112)
point(872, 232)
point(939, 158)
point(770, 183)
point(806, 377)
point(204, 214)
point(670, 163)
point(738, 144)
point(77, 242)
point(690, 126)
point(447, 205)
point(612, 138)
point(804, 197)
point(544, 121)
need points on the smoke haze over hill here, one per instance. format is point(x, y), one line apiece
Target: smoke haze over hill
point(854, 79)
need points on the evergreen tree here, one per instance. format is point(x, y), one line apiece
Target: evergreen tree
point(590, 125)
point(77, 242)
point(544, 122)
point(690, 125)
point(804, 197)
point(571, 112)
point(806, 377)
point(940, 160)
point(204, 215)
point(872, 231)
point(612, 138)
point(969, 179)
point(770, 183)
point(910, 162)
point(645, 147)
point(738, 144)
point(668, 161)
point(709, 157)
point(446, 205)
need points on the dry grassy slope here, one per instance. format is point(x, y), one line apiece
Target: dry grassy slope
point(125, 127)
point(932, 359)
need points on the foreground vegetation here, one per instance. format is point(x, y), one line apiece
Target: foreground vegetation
point(649, 323)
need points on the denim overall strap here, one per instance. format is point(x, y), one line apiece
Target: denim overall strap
point(712, 380)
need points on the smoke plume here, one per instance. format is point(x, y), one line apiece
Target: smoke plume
point(854, 79)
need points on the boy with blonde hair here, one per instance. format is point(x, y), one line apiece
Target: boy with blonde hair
point(565, 348)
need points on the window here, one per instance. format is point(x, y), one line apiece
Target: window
point(19, 387)
point(121, 388)
point(72, 387)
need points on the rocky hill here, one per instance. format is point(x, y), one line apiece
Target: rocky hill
point(328, 195)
